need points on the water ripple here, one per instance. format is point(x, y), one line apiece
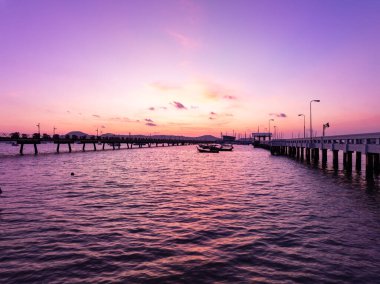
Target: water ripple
point(172, 215)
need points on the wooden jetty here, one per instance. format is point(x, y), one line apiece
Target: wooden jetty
point(309, 150)
point(114, 142)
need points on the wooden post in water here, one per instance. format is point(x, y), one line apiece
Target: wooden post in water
point(376, 163)
point(302, 153)
point(84, 146)
point(336, 159)
point(94, 146)
point(316, 155)
point(324, 157)
point(69, 144)
point(103, 146)
point(35, 149)
point(358, 162)
point(349, 161)
point(58, 144)
point(344, 160)
point(22, 149)
point(308, 155)
point(369, 165)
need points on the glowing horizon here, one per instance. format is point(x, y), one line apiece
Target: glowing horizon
point(187, 67)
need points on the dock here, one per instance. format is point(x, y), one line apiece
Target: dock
point(101, 142)
point(313, 149)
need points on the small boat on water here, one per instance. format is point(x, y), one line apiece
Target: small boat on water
point(208, 150)
point(219, 147)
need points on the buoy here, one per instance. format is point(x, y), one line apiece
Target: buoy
point(72, 174)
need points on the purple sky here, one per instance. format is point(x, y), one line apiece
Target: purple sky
point(82, 65)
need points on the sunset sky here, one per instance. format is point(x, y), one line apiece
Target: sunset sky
point(189, 67)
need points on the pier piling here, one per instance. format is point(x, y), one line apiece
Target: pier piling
point(368, 144)
point(336, 159)
point(324, 157)
point(358, 162)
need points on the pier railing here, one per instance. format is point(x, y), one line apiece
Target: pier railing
point(309, 148)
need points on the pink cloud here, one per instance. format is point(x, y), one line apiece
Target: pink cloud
point(229, 97)
point(282, 115)
point(122, 119)
point(151, 108)
point(178, 105)
point(184, 40)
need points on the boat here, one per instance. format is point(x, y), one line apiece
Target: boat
point(226, 147)
point(220, 147)
point(208, 150)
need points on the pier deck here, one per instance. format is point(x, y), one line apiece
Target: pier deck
point(306, 148)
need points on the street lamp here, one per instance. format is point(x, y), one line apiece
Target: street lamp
point(311, 125)
point(270, 138)
point(304, 129)
point(327, 125)
point(38, 125)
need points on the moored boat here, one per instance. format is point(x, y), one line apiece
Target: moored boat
point(208, 150)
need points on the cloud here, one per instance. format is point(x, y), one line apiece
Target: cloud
point(183, 40)
point(151, 108)
point(102, 126)
point(212, 115)
point(150, 124)
point(148, 120)
point(229, 97)
point(282, 115)
point(217, 92)
point(96, 115)
point(67, 111)
point(163, 108)
point(122, 119)
point(178, 105)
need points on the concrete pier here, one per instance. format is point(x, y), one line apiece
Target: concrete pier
point(114, 142)
point(368, 144)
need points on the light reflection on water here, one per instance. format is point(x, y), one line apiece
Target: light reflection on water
point(174, 215)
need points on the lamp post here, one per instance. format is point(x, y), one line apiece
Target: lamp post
point(270, 138)
point(304, 129)
point(38, 126)
point(311, 125)
point(275, 136)
point(327, 125)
